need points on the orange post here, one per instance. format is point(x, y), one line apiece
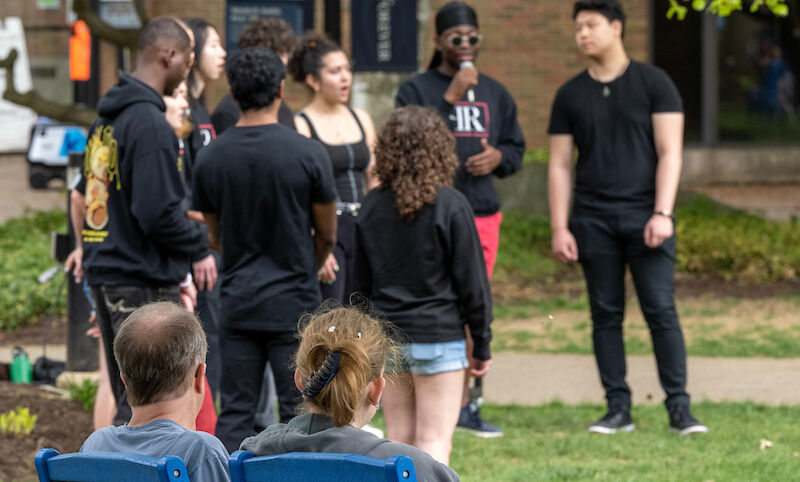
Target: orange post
point(80, 52)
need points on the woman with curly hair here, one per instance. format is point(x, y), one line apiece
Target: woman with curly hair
point(419, 261)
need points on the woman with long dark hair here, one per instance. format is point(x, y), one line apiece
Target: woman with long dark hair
point(209, 65)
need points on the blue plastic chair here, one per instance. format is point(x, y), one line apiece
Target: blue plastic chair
point(105, 466)
point(308, 466)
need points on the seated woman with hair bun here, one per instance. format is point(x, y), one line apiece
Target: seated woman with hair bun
point(340, 365)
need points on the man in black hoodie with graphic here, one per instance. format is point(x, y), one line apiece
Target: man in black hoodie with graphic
point(137, 240)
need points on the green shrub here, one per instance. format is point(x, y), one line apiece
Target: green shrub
point(731, 244)
point(24, 255)
point(712, 241)
point(84, 393)
point(17, 422)
point(525, 249)
point(537, 155)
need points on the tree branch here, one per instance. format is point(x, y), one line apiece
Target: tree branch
point(100, 29)
point(141, 11)
point(57, 111)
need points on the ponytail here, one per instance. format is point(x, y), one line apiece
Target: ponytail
point(341, 351)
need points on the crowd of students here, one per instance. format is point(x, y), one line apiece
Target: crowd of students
point(254, 228)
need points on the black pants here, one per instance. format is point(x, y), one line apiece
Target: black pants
point(244, 355)
point(113, 305)
point(208, 308)
point(344, 252)
point(606, 244)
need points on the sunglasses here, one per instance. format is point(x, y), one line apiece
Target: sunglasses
point(473, 40)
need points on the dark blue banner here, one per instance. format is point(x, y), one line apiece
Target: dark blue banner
point(239, 13)
point(384, 35)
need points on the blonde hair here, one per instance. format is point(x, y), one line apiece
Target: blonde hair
point(364, 346)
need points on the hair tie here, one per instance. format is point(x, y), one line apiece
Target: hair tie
point(312, 43)
point(323, 376)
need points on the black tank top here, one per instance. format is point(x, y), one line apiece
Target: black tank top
point(349, 163)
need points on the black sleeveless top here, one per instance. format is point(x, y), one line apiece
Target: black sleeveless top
point(349, 163)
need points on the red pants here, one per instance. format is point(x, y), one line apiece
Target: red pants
point(207, 418)
point(489, 233)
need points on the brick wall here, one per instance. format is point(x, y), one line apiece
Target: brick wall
point(528, 45)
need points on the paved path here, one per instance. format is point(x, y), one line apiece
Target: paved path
point(534, 379)
point(16, 194)
point(527, 379)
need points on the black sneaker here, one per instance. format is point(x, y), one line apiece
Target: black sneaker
point(615, 420)
point(682, 421)
point(469, 420)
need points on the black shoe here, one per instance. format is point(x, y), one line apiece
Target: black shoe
point(682, 421)
point(469, 420)
point(615, 420)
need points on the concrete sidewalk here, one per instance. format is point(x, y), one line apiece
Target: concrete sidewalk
point(532, 379)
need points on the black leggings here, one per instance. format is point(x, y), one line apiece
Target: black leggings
point(344, 252)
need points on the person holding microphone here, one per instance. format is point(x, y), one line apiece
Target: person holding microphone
point(482, 116)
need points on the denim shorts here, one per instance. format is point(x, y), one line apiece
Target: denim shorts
point(433, 358)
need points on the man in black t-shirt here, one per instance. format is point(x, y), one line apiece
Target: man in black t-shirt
point(627, 123)
point(263, 189)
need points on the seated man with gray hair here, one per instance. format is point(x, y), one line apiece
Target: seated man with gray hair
point(161, 352)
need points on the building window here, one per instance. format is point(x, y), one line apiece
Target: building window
point(739, 76)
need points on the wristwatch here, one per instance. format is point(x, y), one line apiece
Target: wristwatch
point(665, 212)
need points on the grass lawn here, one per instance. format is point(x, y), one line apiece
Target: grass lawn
point(550, 442)
point(712, 326)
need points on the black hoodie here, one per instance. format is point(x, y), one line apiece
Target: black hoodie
point(135, 231)
point(492, 116)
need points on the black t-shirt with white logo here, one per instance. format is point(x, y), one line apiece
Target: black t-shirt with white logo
point(200, 137)
point(611, 124)
point(492, 116)
point(261, 182)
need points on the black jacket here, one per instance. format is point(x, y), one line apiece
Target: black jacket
point(493, 116)
point(135, 231)
point(427, 275)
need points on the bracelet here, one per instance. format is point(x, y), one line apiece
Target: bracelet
point(186, 282)
point(665, 212)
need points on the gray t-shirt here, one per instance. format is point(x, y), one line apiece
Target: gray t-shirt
point(316, 433)
point(204, 455)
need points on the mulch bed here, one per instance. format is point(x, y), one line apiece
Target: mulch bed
point(62, 425)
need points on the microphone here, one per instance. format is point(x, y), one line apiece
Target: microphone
point(470, 91)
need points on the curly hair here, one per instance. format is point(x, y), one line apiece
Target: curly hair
point(272, 33)
point(415, 156)
point(255, 76)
